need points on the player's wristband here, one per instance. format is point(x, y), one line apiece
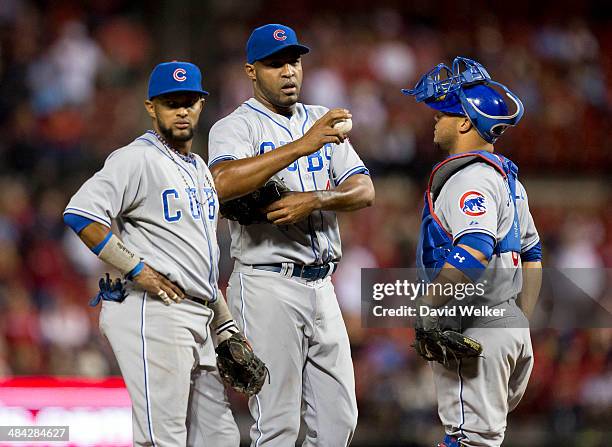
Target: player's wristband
point(115, 253)
point(222, 323)
point(226, 330)
point(464, 261)
point(135, 271)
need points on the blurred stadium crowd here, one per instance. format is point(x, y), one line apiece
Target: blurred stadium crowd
point(72, 81)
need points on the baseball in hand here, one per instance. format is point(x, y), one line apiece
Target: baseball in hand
point(344, 126)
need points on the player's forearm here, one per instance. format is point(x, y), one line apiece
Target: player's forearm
point(354, 193)
point(532, 282)
point(223, 323)
point(235, 178)
point(448, 275)
point(110, 249)
point(93, 234)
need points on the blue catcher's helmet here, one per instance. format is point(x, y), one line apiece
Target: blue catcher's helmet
point(465, 91)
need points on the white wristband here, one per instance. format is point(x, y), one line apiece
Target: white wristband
point(223, 324)
point(226, 330)
point(119, 256)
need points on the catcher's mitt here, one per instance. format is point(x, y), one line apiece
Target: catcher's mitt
point(239, 367)
point(247, 209)
point(444, 345)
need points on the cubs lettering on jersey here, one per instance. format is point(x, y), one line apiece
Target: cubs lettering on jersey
point(275, 305)
point(253, 130)
point(170, 199)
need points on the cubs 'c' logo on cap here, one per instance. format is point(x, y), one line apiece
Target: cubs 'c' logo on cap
point(179, 74)
point(279, 34)
point(473, 203)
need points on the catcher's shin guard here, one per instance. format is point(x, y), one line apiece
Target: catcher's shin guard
point(450, 441)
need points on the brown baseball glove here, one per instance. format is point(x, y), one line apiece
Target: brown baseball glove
point(239, 367)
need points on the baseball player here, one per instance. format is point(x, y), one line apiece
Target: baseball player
point(163, 199)
point(280, 290)
point(477, 228)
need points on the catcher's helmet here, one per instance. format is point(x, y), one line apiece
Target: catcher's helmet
point(466, 91)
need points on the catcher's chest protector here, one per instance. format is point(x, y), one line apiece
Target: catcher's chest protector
point(435, 242)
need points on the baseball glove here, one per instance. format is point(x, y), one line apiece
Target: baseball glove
point(239, 367)
point(444, 345)
point(109, 291)
point(247, 209)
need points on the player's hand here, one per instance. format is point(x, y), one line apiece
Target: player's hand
point(323, 132)
point(292, 208)
point(158, 285)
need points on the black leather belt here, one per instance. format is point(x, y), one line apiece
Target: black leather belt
point(307, 272)
point(199, 300)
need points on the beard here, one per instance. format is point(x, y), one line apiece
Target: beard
point(279, 99)
point(443, 144)
point(170, 136)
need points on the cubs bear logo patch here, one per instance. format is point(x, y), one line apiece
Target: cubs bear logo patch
point(473, 203)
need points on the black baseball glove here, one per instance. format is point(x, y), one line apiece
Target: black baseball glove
point(445, 345)
point(239, 367)
point(247, 209)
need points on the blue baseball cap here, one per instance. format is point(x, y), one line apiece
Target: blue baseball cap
point(269, 39)
point(175, 76)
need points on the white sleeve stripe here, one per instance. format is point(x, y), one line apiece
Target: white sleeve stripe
point(229, 325)
point(221, 158)
point(352, 171)
point(530, 245)
point(474, 230)
point(88, 214)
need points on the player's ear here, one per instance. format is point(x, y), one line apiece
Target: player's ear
point(249, 69)
point(464, 125)
point(150, 108)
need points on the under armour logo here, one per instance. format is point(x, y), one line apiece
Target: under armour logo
point(459, 258)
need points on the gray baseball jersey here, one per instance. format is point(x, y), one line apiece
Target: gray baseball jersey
point(166, 208)
point(252, 130)
point(298, 330)
point(493, 215)
point(475, 395)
